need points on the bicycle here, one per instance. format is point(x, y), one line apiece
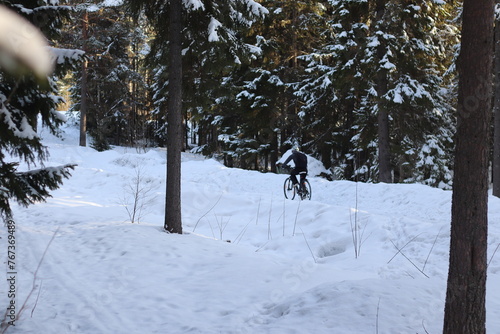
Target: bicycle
point(291, 191)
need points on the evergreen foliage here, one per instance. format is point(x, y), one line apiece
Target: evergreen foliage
point(260, 77)
point(313, 78)
point(24, 100)
point(117, 92)
point(268, 109)
point(212, 48)
point(347, 72)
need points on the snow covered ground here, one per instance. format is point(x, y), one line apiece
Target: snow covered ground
point(249, 261)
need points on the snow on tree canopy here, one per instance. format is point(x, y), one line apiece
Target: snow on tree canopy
point(212, 30)
point(112, 3)
point(194, 4)
point(256, 8)
point(61, 56)
point(253, 7)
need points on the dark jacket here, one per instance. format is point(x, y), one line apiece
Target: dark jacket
point(299, 159)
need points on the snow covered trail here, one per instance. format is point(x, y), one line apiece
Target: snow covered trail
point(249, 261)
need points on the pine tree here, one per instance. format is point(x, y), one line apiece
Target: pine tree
point(173, 216)
point(208, 38)
point(364, 75)
point(420, 116)
point(268, 118)
point(332, 91)
point(249, 127)
point(212, 49)
point(116, 91)
point(23, 100)
point(465, 308)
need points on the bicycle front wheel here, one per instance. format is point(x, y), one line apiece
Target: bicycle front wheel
point(289, 189)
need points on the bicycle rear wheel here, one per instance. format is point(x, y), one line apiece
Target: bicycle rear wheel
point(289, 189)
point(306, 191)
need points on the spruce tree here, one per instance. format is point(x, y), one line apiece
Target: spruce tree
point(205, 42)
point(333, 87)
point(23, 101)
point(212, 48)
point(269, 119)
point(116, 96)
point(386, 69)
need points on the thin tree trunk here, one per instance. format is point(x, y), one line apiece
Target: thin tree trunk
point(175, 134)
point(496, 135)
point(83, 87)
point(384, 152)
point(465, 310)
point(274, 152)
point(185, 142)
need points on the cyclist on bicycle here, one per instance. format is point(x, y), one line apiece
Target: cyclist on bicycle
point(300, 162)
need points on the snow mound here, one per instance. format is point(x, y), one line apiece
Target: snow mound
point(314, 166)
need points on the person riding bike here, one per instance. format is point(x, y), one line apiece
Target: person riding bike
point(300, 162)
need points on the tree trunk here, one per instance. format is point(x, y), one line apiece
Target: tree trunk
point(173, 218)
point(83, 87)
point(384, 152)
point(274, 152)
point(496, 136)
point(465, 310)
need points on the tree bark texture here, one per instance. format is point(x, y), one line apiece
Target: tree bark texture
point(465, 298)
point(175, 134)
point(496, 126)
point(384, 152)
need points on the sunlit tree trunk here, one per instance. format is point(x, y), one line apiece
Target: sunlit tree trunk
point(84, 91)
